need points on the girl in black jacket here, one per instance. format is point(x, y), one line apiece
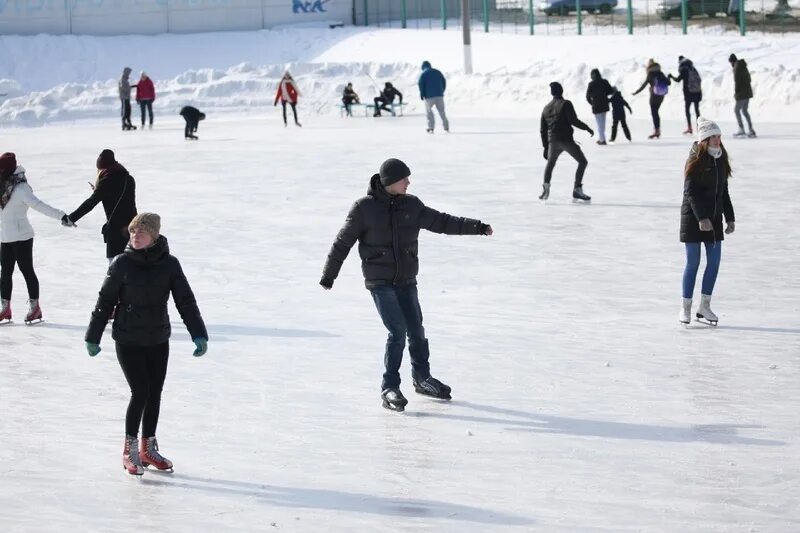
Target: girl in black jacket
point(138, 283)
point(705, 201)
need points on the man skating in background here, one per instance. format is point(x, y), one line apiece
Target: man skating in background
point(742, 92)
point(558, 117)
point(386, 224)
point(431, 90)
point(125, 99)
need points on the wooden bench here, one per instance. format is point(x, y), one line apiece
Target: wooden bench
point(397, 108)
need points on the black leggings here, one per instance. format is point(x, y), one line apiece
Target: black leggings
point(19, 253)
point(294, 110)
point(148, 105)
point(126, 113)
point(145, 368)
point(655, 104)
point(687, 103)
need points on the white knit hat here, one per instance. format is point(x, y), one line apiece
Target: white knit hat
point(706, 128)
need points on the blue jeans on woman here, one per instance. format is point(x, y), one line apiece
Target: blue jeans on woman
point(401, 314)
point(713, 256)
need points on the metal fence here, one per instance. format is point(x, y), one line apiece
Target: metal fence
point(549, 17)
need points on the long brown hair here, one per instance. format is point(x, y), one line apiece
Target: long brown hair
point(694, 164)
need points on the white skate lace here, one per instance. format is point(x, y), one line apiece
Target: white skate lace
point(133, 452)
point(152, 450)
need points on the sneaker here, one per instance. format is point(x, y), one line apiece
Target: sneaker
point(578, 194)
point(394, 400)
point(432, 387)
point(545, 191)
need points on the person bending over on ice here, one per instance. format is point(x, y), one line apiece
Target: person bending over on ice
point(117, 190)
point(16, 232)
point(141, 280)
point(287, 94)
point(386, 99)
point(386, 223)
point(705, 200)
point(558, 117)
point(192, 116)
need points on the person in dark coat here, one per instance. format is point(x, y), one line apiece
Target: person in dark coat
point(742, 92)
point(432, 85)
point(597, 94)
point(558, 118)
point(192, 116)
point(692, 89)
point(659, 86)
point(386, 98)
point(349, 97)
point(386, 224)
point(618, 105)
point(139, 283)
point(116, 188)
point(706, 200)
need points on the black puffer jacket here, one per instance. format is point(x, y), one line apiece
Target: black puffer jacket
point(558, 117)
point(705, 195)
point(116, 188)
point(387, 230)
point(597, 93)
point(141, 281)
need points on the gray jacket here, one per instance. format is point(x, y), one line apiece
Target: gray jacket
point(125, 85)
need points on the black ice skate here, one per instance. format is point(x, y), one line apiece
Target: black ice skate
point(578, 194)
point(545, 191)
point(394, 400)
point(432, 387)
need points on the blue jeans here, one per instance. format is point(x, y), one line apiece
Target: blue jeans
point(713, 256)
point(401, 314)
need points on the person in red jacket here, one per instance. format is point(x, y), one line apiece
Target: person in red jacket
point(287, 94)
point(145, 95)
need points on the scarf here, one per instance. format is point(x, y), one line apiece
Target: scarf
point(7, 188)
point(715, 152)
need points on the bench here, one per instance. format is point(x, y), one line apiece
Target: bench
point(397, 108)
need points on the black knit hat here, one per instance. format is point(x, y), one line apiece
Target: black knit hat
point(556, 89)
point(393, 170)
point(732, 58)
point(105, 159)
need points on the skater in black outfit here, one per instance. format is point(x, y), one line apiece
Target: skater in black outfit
point(558, 118)
point(117, 190)
point(659, 87)
point(692, 89)
point(386, 225)
point(141, 280)
point(192, 116)
point(618, 105)
point(597, 94)
point(349, 97)
point(386, 98)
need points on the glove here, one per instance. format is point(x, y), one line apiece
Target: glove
point(731, 227)
point(705, 225)
point(92, 348)
point(202, 346)
point(544, 154)
point(591, 132)
point(486, 229)
point(327, 283)
point(65, 221)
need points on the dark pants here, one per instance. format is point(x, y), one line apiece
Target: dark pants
point(401, 314)
point(146, 105)
point(688, 100)
point(19, 253)
point(145, 368)
point(382, 103)
point(554, 150)
point(126, 113)
point(625, 130)
point(348, 105)
point(655, 105)
point(294, 110)
point(116, 240)
point(191, 127)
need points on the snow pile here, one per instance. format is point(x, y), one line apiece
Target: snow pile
point(240, 71)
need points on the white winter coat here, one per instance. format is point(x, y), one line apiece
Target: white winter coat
point(14, 224)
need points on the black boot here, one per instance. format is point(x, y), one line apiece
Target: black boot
point(394, 400)
point(432, 387)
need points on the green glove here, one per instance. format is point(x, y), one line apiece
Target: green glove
point(92, 348)
point(202, 346)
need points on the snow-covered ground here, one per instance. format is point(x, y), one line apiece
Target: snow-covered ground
point(580, 404)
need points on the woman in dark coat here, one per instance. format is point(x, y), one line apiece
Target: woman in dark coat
point(597, 94)
point(659, 86)
point(139, 283)
point(705, 201)
point(117, 190)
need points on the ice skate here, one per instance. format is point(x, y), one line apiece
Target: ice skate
point(5, 312)
point(429, 130)
point(751, 134)
point(601, 143)
point(394, 400)
point(34, 315)
point(688, 131)
point(192, 138)
point(655, 135)
point(130, 457)
point(148, 454)
point(578, 194)
point(740, 133)
point(685, 316)
point(704, 313)
point(432, 387)
point(545, 191)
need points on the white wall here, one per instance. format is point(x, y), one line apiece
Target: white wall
point(116, 17)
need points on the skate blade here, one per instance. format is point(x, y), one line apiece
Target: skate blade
point(34, 321)
point(581, 201)
point(705, 321)
point(156, 470)
point(444, 396)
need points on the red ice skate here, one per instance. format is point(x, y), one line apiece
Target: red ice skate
point(148, 451)
point(130, 457)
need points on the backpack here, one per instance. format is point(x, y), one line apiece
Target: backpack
point(661, 85)
point(693, 82)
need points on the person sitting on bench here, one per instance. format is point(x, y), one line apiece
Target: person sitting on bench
point(386, 99)
point(349, 97)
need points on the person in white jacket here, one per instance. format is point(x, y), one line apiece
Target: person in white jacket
point(16, 235)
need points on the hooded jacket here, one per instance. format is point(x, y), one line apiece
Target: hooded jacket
point(684, 68)
point(741, 79)
point(14, 223)
point(705, 195)
point(431, 82)
point(138, 284)
point(387, 230)
point(145, 90)
point(125, 85)
point(558, 117)
point(597, 93)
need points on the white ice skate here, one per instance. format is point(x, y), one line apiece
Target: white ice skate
point(704, 313)
point(685, 317)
